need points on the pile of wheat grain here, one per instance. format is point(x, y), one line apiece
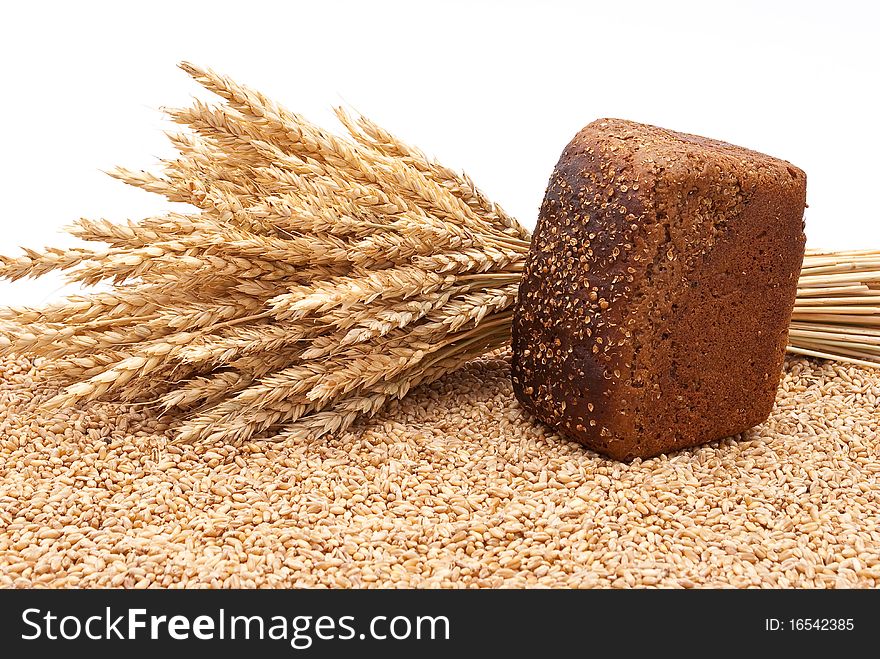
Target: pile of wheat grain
point(453, 486)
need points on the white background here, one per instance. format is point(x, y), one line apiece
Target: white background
point(495, 88)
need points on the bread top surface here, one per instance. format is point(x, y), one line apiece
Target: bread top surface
point(630, 213)
point(674, 149)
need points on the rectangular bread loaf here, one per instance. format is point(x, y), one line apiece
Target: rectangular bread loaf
point(653, 312)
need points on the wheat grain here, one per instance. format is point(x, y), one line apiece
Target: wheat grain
point(452, 487)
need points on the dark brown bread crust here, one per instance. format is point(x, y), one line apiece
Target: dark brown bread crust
point(654, 307)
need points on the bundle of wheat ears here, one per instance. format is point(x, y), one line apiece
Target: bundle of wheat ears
point(317, 278)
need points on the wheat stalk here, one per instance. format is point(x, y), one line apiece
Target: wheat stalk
point(317, 278)
point(837, 311)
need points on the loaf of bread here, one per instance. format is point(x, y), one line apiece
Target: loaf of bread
point(653, 311)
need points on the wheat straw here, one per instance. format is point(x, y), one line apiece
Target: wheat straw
point(837, 311)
